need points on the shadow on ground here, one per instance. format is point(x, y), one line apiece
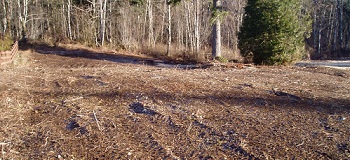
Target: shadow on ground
point(278, 100)
point(111, 56)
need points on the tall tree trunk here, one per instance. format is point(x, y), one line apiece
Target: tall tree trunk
point(150, 24)
point(169, 30)
point(314, 26)
point(347, 39)
point(20, 19)
point(69, 6)
point(10, 17)
point(25, 17)
point(330, 30)
point(64, 20)
point(77, 25)
point(4, 20)
point(335, 32)
point(179, 34)
point(196, 27)
point(103, 6)
point(320, 29)
point(109, 35)
point(216, 46)
point(189, 32)
point(239, 21)
point(94, 24)
point(340, 21)
point(163, 25)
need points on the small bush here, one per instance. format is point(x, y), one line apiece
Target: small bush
point(5, 43)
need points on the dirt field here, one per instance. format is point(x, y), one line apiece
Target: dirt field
point(67, 103)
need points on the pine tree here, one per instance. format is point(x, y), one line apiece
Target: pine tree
point(273, 31)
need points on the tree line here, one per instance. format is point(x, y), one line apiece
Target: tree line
point(331, 28)
point(129, 24)
point(185, 26)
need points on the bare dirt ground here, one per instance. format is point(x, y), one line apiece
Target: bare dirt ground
point(68, 103)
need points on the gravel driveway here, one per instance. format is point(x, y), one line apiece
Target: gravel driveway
point(345, 64)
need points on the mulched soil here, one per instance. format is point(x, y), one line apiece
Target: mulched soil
point(78, 103)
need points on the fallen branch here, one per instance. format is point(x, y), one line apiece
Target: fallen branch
point(98, 125)
point(3, 143)
point(2, 148)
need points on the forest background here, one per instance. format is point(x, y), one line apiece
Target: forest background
point(159, 27)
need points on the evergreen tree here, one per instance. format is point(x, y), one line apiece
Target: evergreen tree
point(273, 31)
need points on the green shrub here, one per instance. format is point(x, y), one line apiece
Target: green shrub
point(273, 31)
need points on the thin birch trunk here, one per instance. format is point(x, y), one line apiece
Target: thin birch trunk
point(103, 6)
point(196, 26)
point(169, 30)
point(69, 5)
